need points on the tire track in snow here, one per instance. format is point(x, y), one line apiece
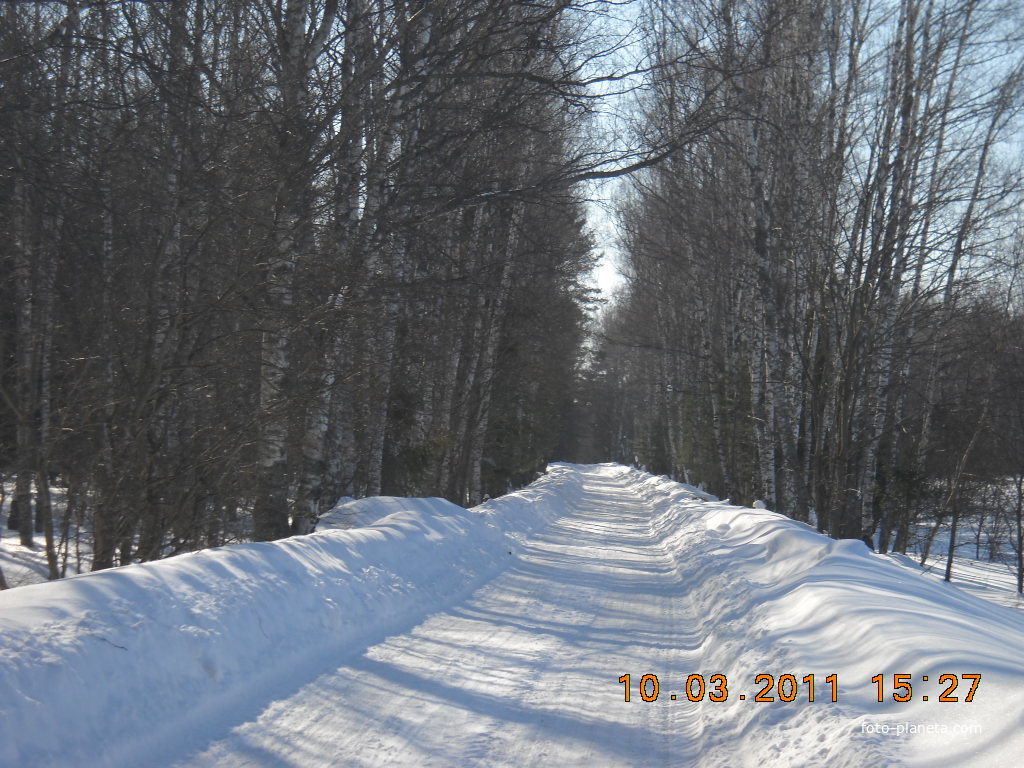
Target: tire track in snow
point(523, 672)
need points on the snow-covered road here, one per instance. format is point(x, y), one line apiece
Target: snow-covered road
point(523, 672)
point(437, 636)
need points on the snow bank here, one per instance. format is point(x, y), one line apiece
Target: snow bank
point(104, 669)
point(356, 513)
point(774, 596)
point(123, 667)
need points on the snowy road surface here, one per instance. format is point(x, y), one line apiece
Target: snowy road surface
point(523, 672)
point(497, 637)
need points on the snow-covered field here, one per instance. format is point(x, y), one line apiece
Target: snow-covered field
point(498, 637)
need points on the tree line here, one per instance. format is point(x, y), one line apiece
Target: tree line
point(260, 255)
point(823, 307)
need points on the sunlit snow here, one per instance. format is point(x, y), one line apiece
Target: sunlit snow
point(436, 636)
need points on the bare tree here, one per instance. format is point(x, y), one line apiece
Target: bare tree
point(805, 254)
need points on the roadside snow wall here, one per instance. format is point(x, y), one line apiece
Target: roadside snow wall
point(104, 668)
point(773, 596)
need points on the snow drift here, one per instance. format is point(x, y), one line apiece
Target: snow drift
point(98, 669)
point(116, 668)
point(775, 596)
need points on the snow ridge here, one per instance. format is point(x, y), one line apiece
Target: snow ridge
point(508, 626)
point(92, 667)
point(775, 596)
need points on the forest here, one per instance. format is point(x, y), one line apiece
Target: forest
point(260, 255)
point(263, 254)
point(824, 308)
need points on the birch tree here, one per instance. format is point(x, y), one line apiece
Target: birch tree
point(806, 251)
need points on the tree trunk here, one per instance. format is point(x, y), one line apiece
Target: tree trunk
point(485, 380)
point(291, 238)
point(1019, 518)
point(951, 549)
point(45, 511)
point(21, 504)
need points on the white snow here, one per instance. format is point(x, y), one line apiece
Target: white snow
point(23, 566)
point(496, 637)
point(355, 513)
point(993, 581)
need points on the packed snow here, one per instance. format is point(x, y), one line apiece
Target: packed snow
point(412, 632)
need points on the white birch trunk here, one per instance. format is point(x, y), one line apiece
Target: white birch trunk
point(298, 57)
point(21, 503)
point(488, 361)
